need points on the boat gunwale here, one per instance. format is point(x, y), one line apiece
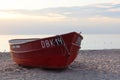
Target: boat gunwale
point(22, 41)
point(35, 39)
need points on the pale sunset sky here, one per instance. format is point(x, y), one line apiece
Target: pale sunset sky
point(59, 16)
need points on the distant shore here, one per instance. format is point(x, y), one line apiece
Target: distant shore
point(89, 65)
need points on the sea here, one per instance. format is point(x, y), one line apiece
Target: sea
point(89, 42)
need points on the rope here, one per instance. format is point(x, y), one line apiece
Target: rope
point(65, 45)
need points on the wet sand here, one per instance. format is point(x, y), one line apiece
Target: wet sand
point(89, 65)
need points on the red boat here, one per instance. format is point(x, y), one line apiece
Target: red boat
point(52, 52)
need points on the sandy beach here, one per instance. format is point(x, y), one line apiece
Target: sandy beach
point(89, 65)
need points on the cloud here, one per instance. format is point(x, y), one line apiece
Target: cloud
point(103, 19)
point(115, 1)
point(109, 10)
point(114, 10)
point(98, 18)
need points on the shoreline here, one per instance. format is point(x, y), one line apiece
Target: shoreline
point(89, 65)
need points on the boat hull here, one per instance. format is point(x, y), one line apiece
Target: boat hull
point(52, 52)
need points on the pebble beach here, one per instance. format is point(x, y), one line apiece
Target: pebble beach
point(89, 65)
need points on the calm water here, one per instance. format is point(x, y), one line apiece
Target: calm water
point(89, 42)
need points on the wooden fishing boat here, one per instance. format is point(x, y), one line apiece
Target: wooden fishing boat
point(51, 52)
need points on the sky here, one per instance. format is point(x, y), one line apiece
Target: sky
point(55, 17)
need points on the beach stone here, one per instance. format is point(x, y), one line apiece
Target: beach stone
point(89, 65)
